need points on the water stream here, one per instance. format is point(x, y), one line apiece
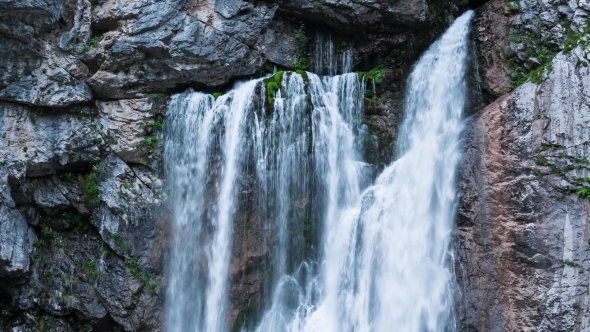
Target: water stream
point(350, 253)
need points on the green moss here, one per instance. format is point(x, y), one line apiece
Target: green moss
point(375, 74)
point(278, 77)
point(242, 318)
point(303, 74)
point(135, 269)
point(509, 52)
point(217, 94)
point(271, 89)
point(318, 4)
point(584, 192)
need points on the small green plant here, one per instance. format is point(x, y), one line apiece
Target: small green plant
point(152, 287)
point(584, 192)
point(377, 74)
point(509, 52)
point(542, 162)
point(32, 118)
point(7, 313)
point(300, 40)
point(156, 124)
point(48, 233)
point(217, 94)
point(150, 142)
point(94, 41)
point(273, 85)
point(513, 6)
point(39, 243)
point(120, 242)
point(570, 263)
point(159, 95)
point(516, 38)
point(91, 266)
point(91, 185)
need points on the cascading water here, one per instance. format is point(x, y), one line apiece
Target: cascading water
point(386, 254)
point(203, 157)
point(382, 260)
point(211, 144)
point(326, 61)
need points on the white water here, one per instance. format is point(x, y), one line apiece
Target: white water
point(203, 157)
point(383, 258)
point(326, 61)
point(386, 263)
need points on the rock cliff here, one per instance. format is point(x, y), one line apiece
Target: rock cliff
point(522, 237)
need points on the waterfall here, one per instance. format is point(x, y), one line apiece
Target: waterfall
point(325, 58)
point(386, 252)
point(203, 156)
point(348, 255)
point(212, 144)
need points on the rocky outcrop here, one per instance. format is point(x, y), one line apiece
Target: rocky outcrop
point(523, 233)
point(350, 15)
point(517, 39)
point(81, 230)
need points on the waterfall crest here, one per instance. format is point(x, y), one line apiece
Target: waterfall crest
point(380, 257)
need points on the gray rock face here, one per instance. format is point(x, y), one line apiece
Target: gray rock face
point(350, 15)
point(517, 36)
point(125, 49)
point(16, 243)
point(155, 46)
point(45, 143)
point(78, 240)
point(124, 124)
point(522, 238)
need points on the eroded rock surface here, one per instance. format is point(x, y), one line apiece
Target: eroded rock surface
point(523, 233)
point(516, 37)
point(80, 229)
